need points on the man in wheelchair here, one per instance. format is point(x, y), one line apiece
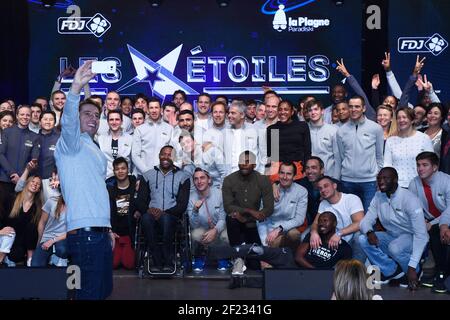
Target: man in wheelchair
point(169, 196)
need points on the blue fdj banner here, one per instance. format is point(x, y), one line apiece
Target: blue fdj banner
point(419, 27)
point(197, 46)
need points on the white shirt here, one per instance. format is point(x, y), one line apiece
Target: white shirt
point(344, 209)
point(401, 154)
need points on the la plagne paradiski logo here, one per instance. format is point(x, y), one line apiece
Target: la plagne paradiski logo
point(282, 22)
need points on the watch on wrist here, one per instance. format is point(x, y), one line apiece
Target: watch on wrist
point(339, 233)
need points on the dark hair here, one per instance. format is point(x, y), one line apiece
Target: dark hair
point(321, 163)
point(57, 91)
point(204, 94)
point(326, 177)
point(333, 216)
point(138, 111)
point(37, 105)
point(8, 113)
point(311, 103)
point(90, 101)
point(198, 169)
point(167, 146)
point(115, 111)
point(170, 104)
point(154, 99)
point(185, 112)
point(289, 164)
point(427, 155)
point(441, 109)
point(48, 112)
point(223, 97)
point(270, 92)
point(126, 98)
point(183, 94)
point(42, 98)
point(288, 102)
point(142, 96)
point(360, 98)
point(392, 170)
point(96, 96)
point(118, 161)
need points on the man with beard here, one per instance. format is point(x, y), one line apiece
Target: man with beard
point(243, 192)
point(169, 196)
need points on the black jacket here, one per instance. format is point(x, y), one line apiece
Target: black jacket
point(138, 202)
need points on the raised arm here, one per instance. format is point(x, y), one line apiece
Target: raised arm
point(411, 81)
point(370, 112)
point(69, 141)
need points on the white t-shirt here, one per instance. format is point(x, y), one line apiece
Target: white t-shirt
point(344, 209)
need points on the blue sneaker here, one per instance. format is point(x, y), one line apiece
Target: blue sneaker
point(199, 264)
point(224, 265)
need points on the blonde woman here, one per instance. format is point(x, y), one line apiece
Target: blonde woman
point(386, 119)
point(24, 218)
point(350, 282)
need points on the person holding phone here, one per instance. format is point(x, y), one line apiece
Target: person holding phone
point(82, 172)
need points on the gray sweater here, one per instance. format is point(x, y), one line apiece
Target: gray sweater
point(401, 214)
point(440, 190)
point(324, 146)
point(212, 205)
point(360, 155)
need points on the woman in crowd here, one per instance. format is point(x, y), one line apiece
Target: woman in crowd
point(350, 282)
point(51, 234)
point(435, 120)
point(24, 218)
point(401, 150)
point(7, 119)
point(294, 141)
point(386, 119)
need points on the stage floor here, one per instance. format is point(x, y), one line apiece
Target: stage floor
point(213, 285)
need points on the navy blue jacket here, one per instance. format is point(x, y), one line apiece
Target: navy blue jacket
point(18, 147)
point(46, 160)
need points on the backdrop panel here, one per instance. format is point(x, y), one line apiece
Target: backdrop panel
point(197, 46)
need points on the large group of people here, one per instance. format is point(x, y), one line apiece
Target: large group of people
point(280, 184)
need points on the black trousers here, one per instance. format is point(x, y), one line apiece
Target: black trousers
point(239, 233)
point(441, 252)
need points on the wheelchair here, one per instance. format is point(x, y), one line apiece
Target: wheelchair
point(181, 247)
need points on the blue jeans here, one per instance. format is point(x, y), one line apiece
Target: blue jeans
point(91, 251)
point(165, 226)
point(364, 190)
point(41, 256)
point(389, 252)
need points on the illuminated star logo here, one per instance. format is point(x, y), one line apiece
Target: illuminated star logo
point(159, 74)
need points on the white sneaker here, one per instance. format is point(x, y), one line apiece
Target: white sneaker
point(8, 262)
point(61, 262)
point(238, 267)
point(29, 262)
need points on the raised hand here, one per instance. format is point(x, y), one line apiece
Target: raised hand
point(83, 75)
point(424, 83)
point(419, 82)
point(375, 81)
point(67, 72)
point(342, 69)
point(386, 63)
point(419, 65)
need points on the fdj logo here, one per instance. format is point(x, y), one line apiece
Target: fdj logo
point(96, 25)
point(435, 44)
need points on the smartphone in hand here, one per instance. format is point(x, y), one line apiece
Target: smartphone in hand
point(104, 66)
